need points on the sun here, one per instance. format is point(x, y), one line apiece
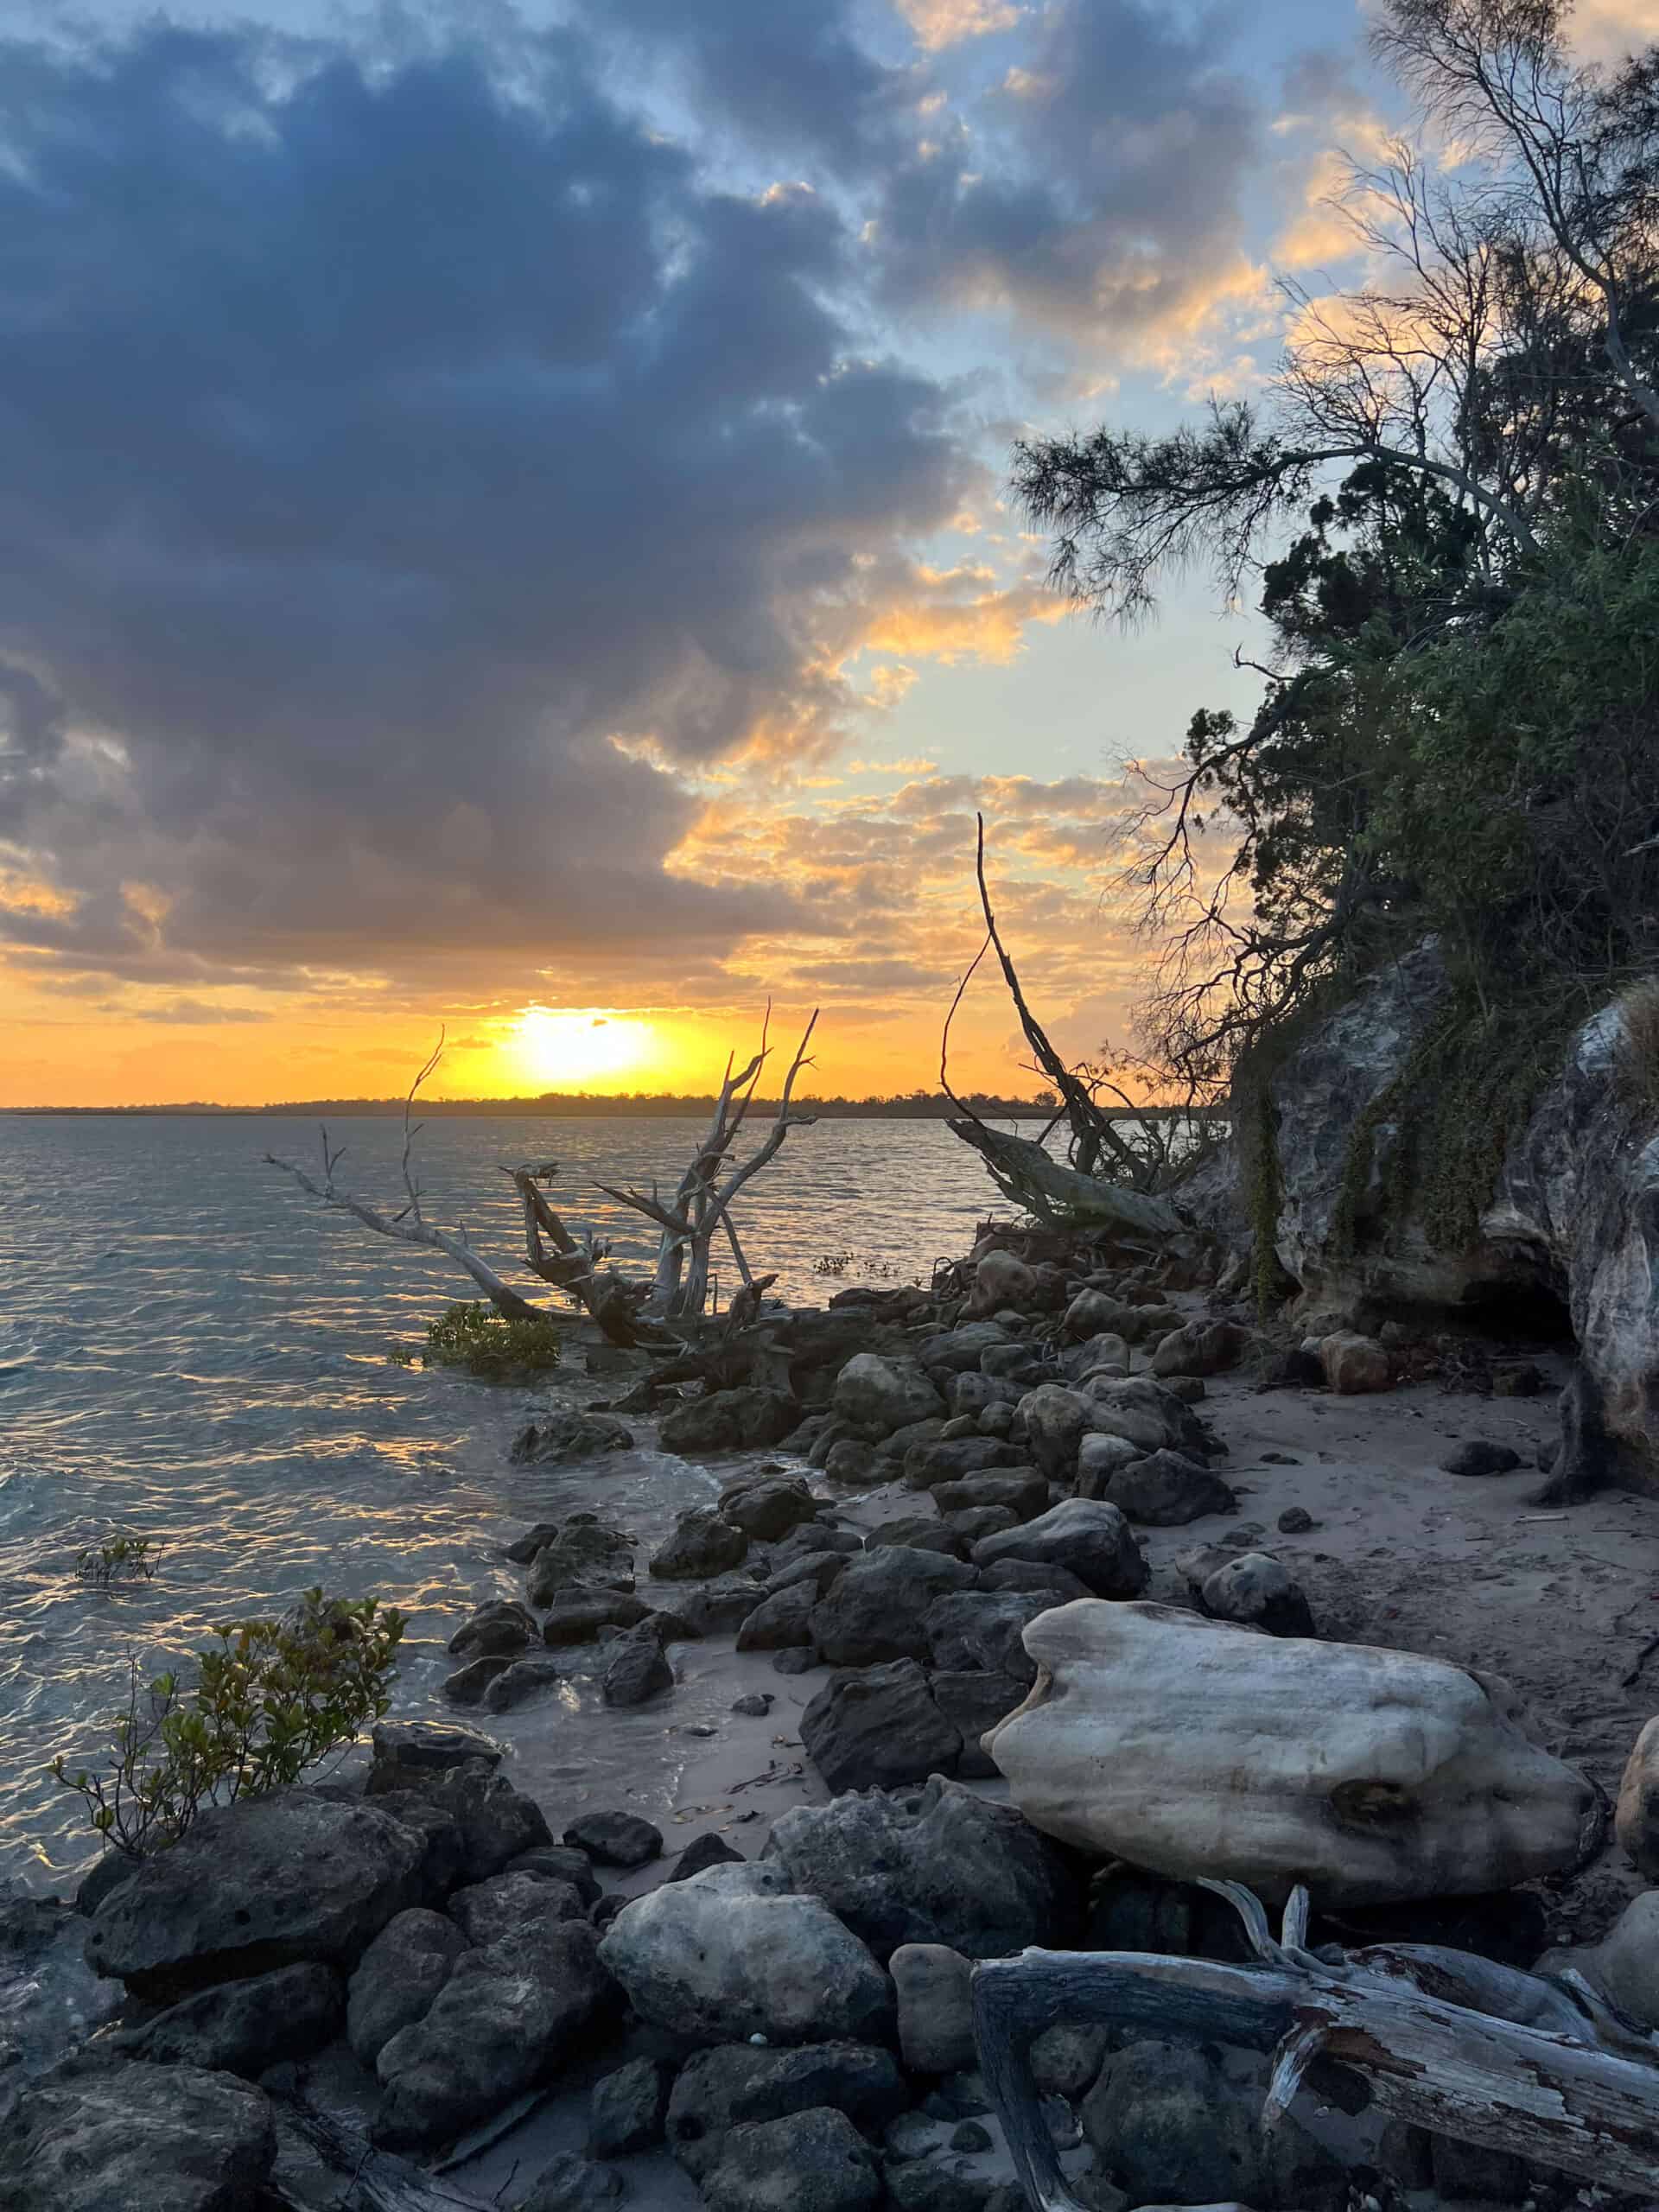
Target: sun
point(574, 1048)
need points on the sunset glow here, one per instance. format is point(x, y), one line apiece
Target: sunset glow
point(581, 1049)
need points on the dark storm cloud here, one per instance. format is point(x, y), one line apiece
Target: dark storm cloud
point(377, 440)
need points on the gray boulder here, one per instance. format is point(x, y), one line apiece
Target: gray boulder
point(703, 1543)
point(1085, 1536)
point(951, 1458)
point(1166, 1491)
point(1101, 1457)
point(781, 1621)
point(936, 2011)
point(501, 1626)
point(628, 2108)
point(636, 1671)
point(270, 1882)
point(723, 2087)
point(813, 2161)
point(1257, 1589)
point(1198, 1348)
point(958, 1351)
point(733, 1953)
point(916, 1532)
point(730, 1420)
point(768, 1508)
point(1148, 1413)
point(935, 1865)
point(1056, 1421)
point(242, 2027)
point(520, 1682)
point(403, 1748)
point(580, 1610)
point(495, 1821)
point(469, 1685)
point(983, 1628)
point(584, 1552)
point(490, 1912)
point(573, 2183)
point(874, 1610)
point(877, 1396)
point(1059, 1582)
point(720, 1607)
point(106, 2134)
point(973, 1702)
point(1023, 1491)
point(508, 2017)
point(558, 1439)
point(877, 1727)
point(560, 1862)
point(615, 1839)
point(397, 1977)
point(1168, 2129)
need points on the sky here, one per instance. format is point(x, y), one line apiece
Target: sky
point(505, 528)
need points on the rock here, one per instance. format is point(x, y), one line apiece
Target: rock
point(1255, 1588)
point(970, 1395)
point(769, 1507)
point(268, 1882)
point(796, 1659)
point(723, 2088)
point(1198, 1348)
point(1033, 1574)
point(703, 1543)
point(879, 1395)
point(506, 2019)
point(242, 2027)
point(628, 2108)
point(877, 1727)
point(811, 1539)
point(1296, 1521)
point(1000, 1280)
point(615, 1839)
point(1101, 1457)
point(733, 1953)
point(636, 1671)
point(916, 1532)
point(960, 1427)
point(583, 1553)
point(923, 2185)
point(852, 1461)
point(1165, 1490)
point(754, 1706)
point(105, 2134)
point(1370, 1774)
point(937, 1865)
point(535, 1538)
point(1090, 1313)
point(523, 1680)
point(557, 1862)
point(397, 1977)
point(497, 1910)
point(469, 1685)
point(1636, 1821)
point(983, 1628)
point(495, 1821)
point(1147, 1413)
point(557, 1439)
point(1165, 2124)
point(730, 1420)
point(952, 1459)
point(874, 1610)
point(936, 2012)
point(982, 1521)
point(708, 1850)
point(959, 1351)
point(1518, 1378)
point(816, 1569)
point(1463, 2172)
point(502, 1626)
point(1056, 1420)
point(1087, 1536)
point(814, 2161)
point(1024, 1492)
point(573, 2183)
point(720, 1608)
point(1107, 1354)
point(780, 1622)
point(1624, 1965)
point(581, 1609)
point(972, 1702)
point(1065, 2061)
point(892, 1450)
point(997, 1421)
point(1478, 1457)
point(1354, 1364)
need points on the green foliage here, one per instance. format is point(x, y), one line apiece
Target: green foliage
point(1638, 1060)
point(118, 1559)
point(486, 1344)
point(270, 1699)
point(401, 1355)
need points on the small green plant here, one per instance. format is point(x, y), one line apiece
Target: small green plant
point(269, 1700)
point(833, 1263)
point(486, 1344)
point(120, 1558)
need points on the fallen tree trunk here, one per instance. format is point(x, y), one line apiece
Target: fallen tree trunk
point(361, 2178)
point(1586, 2104)
point(1032, 1178)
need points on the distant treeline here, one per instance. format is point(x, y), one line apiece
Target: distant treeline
point(560, 1105)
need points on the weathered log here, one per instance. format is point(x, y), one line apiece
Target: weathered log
point(1197, 1748)
point(369, 2180)
point(1579, 2093)
point(1032, 1178)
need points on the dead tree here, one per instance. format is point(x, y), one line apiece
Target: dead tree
point(1544, 2068)
point(624, 1308)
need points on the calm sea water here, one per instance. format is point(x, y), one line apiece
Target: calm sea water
point(192, 1351)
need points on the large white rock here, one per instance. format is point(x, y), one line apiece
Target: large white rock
point(1193, 1747)
point(733, 1953)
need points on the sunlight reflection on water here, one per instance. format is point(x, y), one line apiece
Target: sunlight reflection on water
point(191, 1349)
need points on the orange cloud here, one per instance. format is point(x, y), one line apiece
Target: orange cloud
point(939, 24)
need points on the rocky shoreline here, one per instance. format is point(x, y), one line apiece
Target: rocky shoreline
point(430, 1985)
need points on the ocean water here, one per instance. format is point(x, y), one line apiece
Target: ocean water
point(192, 1351)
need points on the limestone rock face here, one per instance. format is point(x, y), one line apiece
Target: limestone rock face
point(1575, 1208)
point(1195, 1748)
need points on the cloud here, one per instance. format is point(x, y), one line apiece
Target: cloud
point(939, 24)
point(383, 435)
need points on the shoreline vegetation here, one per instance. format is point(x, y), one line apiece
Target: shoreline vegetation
point(572, 1105)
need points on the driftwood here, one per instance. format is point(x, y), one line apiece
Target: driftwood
point(1545, 2070)
point(362, 2179)
point(1032, 1178)
point(700, 1211)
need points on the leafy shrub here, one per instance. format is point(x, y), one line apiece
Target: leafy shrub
point(485, 1343)
point(120, 1558)
point(270, 1700)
